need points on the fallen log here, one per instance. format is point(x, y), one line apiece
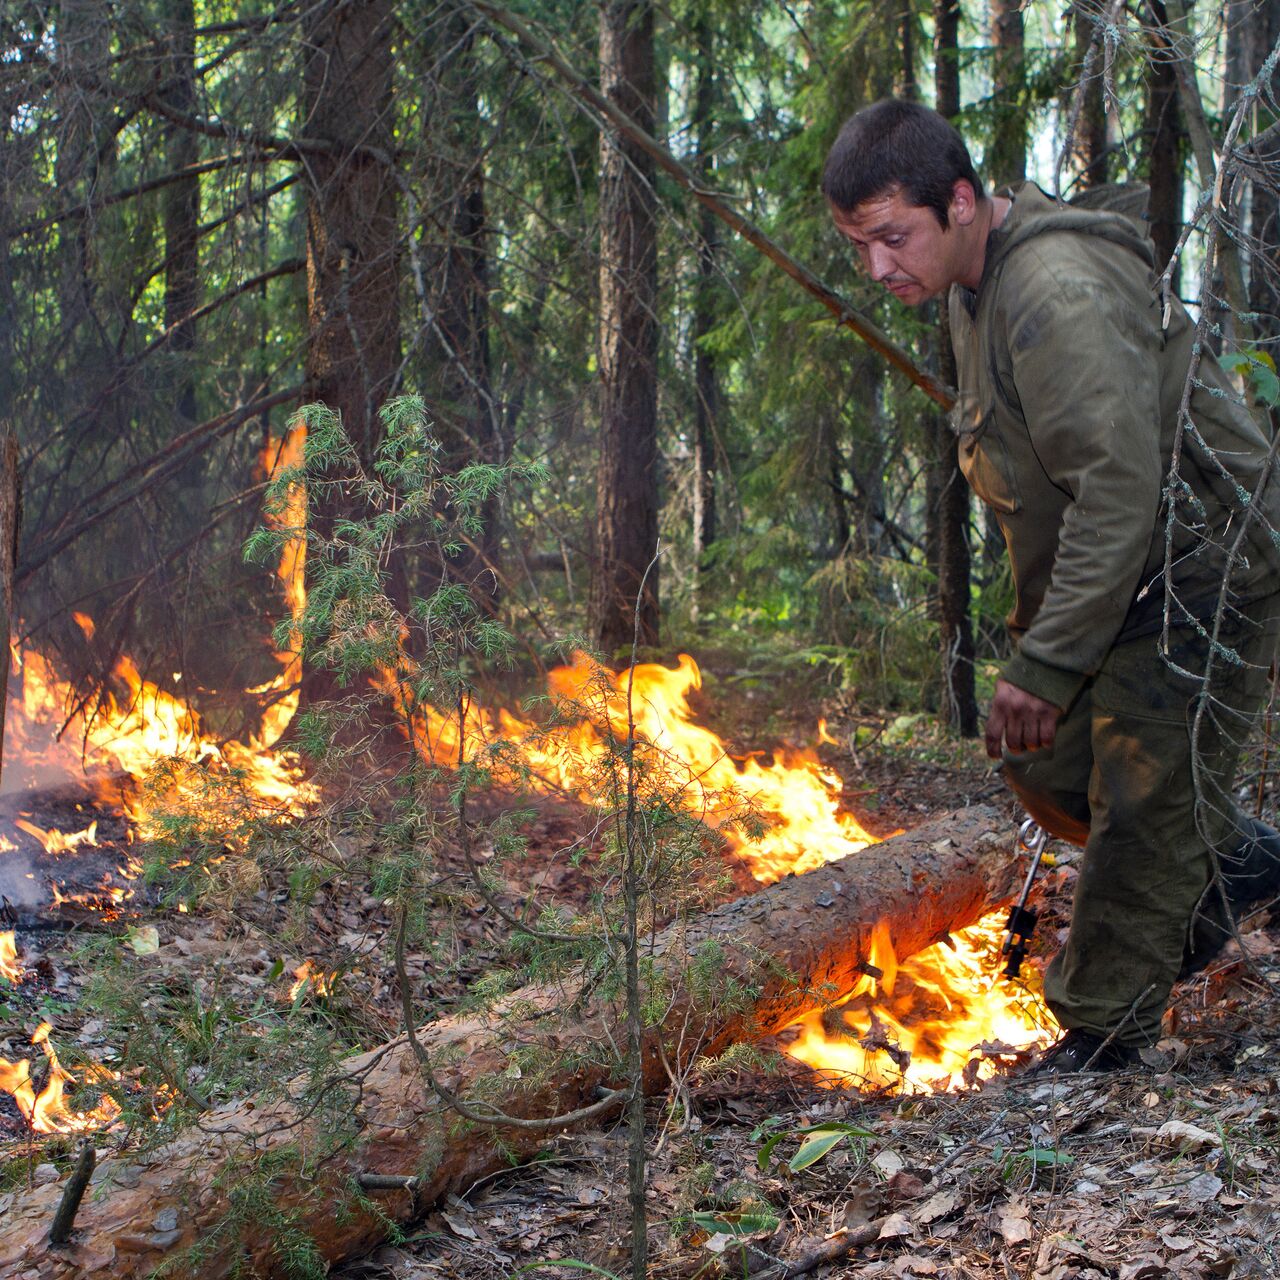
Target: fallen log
point(791, 942)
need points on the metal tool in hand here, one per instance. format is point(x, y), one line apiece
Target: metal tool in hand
point(1022, 920)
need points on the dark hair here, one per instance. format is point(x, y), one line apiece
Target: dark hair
point(895, 144)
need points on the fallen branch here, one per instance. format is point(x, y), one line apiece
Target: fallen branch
point(794, 944)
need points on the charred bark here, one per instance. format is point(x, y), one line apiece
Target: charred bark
point(627, 479)
point(788, 942)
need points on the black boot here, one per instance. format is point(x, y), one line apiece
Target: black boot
point(1250, 874)
point(1078, 1050)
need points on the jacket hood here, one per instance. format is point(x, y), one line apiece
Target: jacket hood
point(1112, 212)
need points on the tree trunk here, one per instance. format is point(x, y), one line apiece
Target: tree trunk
point(84, 161)
point(1252, 30)
point(10, 521)
point(1164, 137)
point(352, 281)
point(459, 368)
point(949, 489)
point(706, 377)
point(907, 85)
point(627, 495)
point(1007, 159)
point(182, 211)
point(800, 936)
point(1091, 128)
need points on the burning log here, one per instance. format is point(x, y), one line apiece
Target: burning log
point(813, 933)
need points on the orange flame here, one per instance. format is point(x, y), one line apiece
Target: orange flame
point(59, 841)
point(796, 798)
point(941, 1019)
point(51, 731)
point(48, 1112)
point(10, 966)
point(284, 690)
point(309, 978)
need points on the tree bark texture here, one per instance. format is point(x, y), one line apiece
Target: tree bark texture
point(1007, 160)
point(950, 490)
point(812, 932)
point(1091, 127)
point(1164, 144)
point(627, 494)
point(352, 280)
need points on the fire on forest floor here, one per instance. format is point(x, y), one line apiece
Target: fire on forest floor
point(779, 813)
point(938, 1021)
point(1169, 1170)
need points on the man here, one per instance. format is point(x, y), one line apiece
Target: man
point(1070, 381)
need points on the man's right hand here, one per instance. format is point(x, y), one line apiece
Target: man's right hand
point(1020, 721)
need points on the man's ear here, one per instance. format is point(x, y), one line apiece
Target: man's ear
point(964, 202)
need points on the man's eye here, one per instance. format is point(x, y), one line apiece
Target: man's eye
point(894, 242)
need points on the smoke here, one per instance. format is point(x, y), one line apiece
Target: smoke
point(19, 881)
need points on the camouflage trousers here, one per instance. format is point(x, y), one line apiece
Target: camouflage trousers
point(1141, 774)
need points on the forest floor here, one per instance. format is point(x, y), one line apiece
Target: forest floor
point(1167, 1169)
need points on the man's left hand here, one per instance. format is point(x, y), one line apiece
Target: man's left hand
point(1020, 720)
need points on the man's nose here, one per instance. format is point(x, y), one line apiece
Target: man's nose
point(879, 262)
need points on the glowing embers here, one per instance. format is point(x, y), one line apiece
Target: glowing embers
point(795, 799)
point(48, 1111)
point(941, 1019)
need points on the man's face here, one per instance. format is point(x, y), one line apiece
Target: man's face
point(903, 246)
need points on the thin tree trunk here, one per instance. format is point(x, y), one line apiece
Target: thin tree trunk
point(1164, 136)
point(627, 494)
point(949, 490)
point(182, 210)
point(907, 85)
point(83, 162)
point(10, 520)
point(1006, 161)
point(1252, 29)
point(790, 942)
point(459, 369)
point(352, 280)
point(1091, 128)
point(706, 378)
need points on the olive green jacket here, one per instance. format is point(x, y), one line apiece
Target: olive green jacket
point(1068, 408)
